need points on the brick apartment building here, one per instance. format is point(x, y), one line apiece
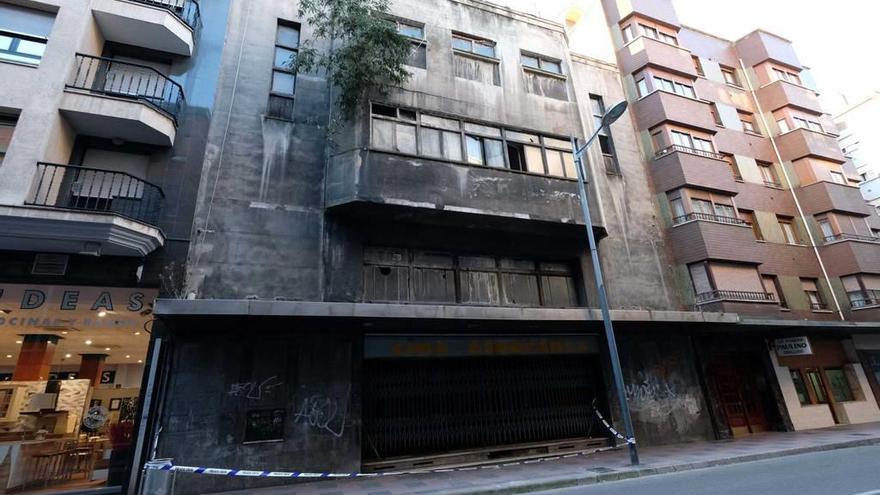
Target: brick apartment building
point(418, 292)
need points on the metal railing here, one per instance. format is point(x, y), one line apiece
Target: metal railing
point(770, 183)
point(111, 77)
point(684, 149)
point(709, 218)
point(852, 237)
point(72, 187)
point(734, 295)
point(186, 10)
point(864, 298)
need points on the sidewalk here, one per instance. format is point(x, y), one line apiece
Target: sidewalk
point(605, 466)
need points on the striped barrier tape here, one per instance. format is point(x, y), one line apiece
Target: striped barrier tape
point(168, 465)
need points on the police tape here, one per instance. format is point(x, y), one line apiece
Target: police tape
point(168, 465)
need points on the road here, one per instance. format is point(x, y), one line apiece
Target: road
point(854, 471)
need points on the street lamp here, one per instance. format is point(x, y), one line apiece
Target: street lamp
point(609, 118)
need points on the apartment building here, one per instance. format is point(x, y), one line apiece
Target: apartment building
point(857, 124)
point(413, 289)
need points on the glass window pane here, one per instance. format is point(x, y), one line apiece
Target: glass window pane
point(557, 143)
point(554, 163)
point(383, 134)
point(484, 48)
point(569, 165)
point(31, 48)
point(461, 44)
point(800, 387)
point(449, 124)
point(284, 58)
point(407, 114)
point(430, 143)
point(839, 385)
point(474, 150)
point(412, 31)
point(406, 138)
point(482, 129)
point(283, 82)
point(534, 160)
point(816, 384)
point(5, 136)
point(643, 87)
point(288, 36)
point(530, 61)
point(522, 137)
point(551, 66)
point(5, 42)
point(494, 153)
point(452, 146)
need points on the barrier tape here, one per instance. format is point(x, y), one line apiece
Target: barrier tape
point(168, 465)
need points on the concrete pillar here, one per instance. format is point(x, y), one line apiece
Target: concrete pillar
point(35, 358)
point(91, 367)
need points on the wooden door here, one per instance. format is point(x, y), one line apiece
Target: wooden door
point(740, 396)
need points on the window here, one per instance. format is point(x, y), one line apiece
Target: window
point(783, 126)
point(702, 206)
point(484, 151)
point(749, 217)
point(674, 87)
point(684, 139)
point(725, 211)
point(668, 38)
point(748, 123)
point(802, 123)
point(839, 385)
point(713, 108)
point(811, 289)
point(649, 31)
point(470, 44)
point(606, 142)
point(642, 86)
point(628, 34)
point(827, 230)
point(800, 387)
point(698, 65)
point(283, 76)
point(653, 32)
point(788, 233)
point(837, 177)
point(734, 169)
point(540, 62)
point(771, 286)
point(394, 130)
point(7, 126)
point(700, 279)
point(678, 212)
point(768, 174)
point(23, 33)
point(416, 33)
point(817, 386)
point(730, 76)
point(783, 75)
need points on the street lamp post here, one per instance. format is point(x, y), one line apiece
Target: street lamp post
point(609, 118)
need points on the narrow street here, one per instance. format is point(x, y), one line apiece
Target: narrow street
point(838, 472)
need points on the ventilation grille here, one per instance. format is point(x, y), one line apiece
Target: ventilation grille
point(50, 264)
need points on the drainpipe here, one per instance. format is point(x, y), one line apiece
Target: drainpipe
point(797, 203)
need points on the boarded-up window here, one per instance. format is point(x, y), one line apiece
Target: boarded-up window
point(543, 85)
point(433, 277)
point(386, 275)
point(476, 69)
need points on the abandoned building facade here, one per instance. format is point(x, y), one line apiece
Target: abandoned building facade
point(415, 289)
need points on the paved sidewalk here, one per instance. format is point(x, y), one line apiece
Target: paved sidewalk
point(604, 466)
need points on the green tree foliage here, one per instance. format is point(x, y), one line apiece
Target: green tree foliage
point(366, 52)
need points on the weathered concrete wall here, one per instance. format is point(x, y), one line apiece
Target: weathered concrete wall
point(663, 388)
point(217, 378)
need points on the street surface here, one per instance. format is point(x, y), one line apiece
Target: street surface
point(852, 471)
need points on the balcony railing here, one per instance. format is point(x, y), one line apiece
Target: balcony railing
point(709, 218)
point(735, 295)
point(127, 80)
point(820, 306)
point(186, 10)
point(864, 298)
point(684, 149)
point(72, 187)
point(851, 237)
point(773, 183)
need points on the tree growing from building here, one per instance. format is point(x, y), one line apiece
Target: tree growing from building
point(365, 54)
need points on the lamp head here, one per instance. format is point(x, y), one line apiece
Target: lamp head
point(614, 113)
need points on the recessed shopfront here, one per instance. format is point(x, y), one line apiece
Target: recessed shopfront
point(456, 399)
point(71, 364)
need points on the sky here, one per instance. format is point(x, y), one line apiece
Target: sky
point(839, 40)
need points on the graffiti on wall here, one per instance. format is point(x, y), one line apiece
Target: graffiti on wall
point(323, 413)
point(657, 396)
point(254, 390)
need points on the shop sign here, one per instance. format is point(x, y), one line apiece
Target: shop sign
point(793, 346)
point(108, 377)
point(438, 347)
point(23, 306)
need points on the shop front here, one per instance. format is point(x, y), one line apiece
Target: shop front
point(71, 364)
point(823, 382)
point(432, 400)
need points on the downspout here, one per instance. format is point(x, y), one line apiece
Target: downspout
point(797, 203)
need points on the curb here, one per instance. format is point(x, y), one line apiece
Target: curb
point(570, 481)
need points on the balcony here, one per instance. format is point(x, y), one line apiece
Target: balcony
point(862, 299)
point(164, 25)
point(81, 210)
point(434, 191)
point(821, 197)
point(851, 237)
point(652, 9)
point(801, 143)
point(661, 106)
point(735, 296)
point(849, 255)
point(781, 93)
point(759, 46)
point(644, 51)
point(700, 236)
point(120, 100)
point(678, 166)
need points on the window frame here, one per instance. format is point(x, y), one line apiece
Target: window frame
point(17, 38)
point(417, 43)
point(792, 239)
point(541, 60)
point(733, 80)
point(474, 40)
point(290, 97)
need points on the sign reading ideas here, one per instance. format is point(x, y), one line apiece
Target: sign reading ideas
point(23, 306)
point(793, 346)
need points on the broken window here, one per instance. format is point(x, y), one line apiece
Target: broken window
point(416, 33)
point(474, 59)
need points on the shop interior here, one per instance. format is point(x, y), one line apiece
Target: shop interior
point(71, 366)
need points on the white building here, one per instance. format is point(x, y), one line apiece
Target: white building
point(860, 139)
